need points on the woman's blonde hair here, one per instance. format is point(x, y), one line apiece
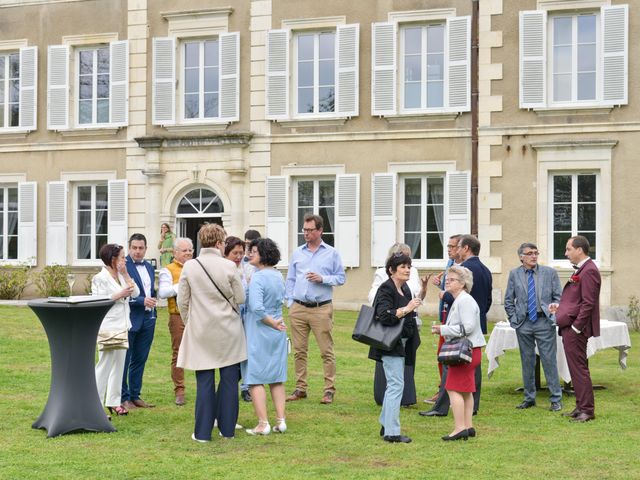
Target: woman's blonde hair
point(210, 234)
point(399, 248)
point(466, 277)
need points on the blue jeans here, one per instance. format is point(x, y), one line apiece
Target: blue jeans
point(543, 334)
point(390, 414)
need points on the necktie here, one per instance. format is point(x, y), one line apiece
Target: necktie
point(531, 297)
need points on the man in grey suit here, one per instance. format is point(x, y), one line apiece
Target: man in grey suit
point(530, 290)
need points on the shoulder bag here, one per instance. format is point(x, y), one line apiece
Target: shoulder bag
point(370, 331)
point(217, 287)
point(113, 340)
point(457, 351)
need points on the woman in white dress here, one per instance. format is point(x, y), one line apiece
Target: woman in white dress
point(113, 280)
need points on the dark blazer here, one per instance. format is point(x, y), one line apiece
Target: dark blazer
point(580, 301)
point(138, 314)
point(386, 303)
point(481, 291)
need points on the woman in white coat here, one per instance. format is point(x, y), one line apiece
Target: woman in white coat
point(113, 280)
point(209, 293)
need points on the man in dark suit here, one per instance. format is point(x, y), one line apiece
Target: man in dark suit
point(143, 323)
point(467, 252)
point(578, 319)
point(530, 290)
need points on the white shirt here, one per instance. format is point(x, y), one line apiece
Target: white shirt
point(146, 280)
point(166, 287)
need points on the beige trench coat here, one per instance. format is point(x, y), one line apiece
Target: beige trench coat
point(213, 335)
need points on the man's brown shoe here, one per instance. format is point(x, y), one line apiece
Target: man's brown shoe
point(129, 405)
point(296, 395)
point(327, 398)
point(180, 400)
point(573, 414)
point(583, 417)
point(138, 402)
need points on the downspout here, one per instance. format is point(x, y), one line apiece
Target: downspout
point(474, 115)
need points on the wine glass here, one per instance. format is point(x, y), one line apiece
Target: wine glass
point(71, 280)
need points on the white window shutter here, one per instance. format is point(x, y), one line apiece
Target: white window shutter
point(458, 206)
point(230, 76)
point(383, 77)
point(164, 81)
point(119, 86)
point(27, 222)
point(56, 223)
point(117, 215)
point(615, 47)
point(459, 64)
point(348, 219)
point(348, 50)
point(29, 88)
point(383, 216)
point(58, 87)
point(533, 59)
point(277, 75)
point(277, 193)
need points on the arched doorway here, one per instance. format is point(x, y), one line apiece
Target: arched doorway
point(198, 207)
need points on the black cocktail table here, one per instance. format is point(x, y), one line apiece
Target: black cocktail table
point(73, 403)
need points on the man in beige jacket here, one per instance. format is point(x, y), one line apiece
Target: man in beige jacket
point(209, 292)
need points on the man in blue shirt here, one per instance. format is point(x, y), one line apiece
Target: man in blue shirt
point(314, 270)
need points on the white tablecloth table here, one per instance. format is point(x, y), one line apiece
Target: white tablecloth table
point(612, 335)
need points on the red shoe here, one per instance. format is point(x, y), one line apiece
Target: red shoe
point(119, 410)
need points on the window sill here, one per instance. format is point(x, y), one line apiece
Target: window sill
point(86, 263)
point(13, 133)
point(563, 111)
point(197, 127)
point(429, 265)
point(89, 131)
point(312, 122)
point(421, 117)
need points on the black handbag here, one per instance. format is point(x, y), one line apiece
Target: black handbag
point(457, 351)
point(370, 331)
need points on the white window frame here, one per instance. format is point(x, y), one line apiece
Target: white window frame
point(94, 94)
point(182, 42)
point(74, 211)
point(574, 208)
point(597, 101)
point(6, 114)
point(423, 82)
point(574, 157)
point(316, 73)
point(423, 177)
point(316, 206)
point(5, 215)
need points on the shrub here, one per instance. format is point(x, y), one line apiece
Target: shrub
point(87, 285)
point(13, 281)
point(633, 312)
point(51, 281)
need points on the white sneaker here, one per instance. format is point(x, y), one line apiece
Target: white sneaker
point(193, 437)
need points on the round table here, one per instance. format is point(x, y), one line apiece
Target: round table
point(72, 330)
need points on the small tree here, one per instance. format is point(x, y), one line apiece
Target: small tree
point(633, 312)
point(51, 281)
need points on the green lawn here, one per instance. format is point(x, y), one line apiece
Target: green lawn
point(336, 441)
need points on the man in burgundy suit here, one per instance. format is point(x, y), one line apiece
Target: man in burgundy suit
point(578, 318)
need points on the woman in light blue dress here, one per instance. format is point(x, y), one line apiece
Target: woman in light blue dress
point(266, 336)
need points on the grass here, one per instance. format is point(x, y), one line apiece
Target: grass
point(337, 441)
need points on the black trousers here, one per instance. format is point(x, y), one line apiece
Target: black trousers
point(442, 404)
point(222, 405)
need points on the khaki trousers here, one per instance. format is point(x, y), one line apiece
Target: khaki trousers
point(176, 327)
point(319, 320)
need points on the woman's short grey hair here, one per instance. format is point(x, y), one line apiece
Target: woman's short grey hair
point(399, 248)
point(466, 276)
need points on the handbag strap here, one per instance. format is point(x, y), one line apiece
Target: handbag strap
point(217, 287)
point(463, 331)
